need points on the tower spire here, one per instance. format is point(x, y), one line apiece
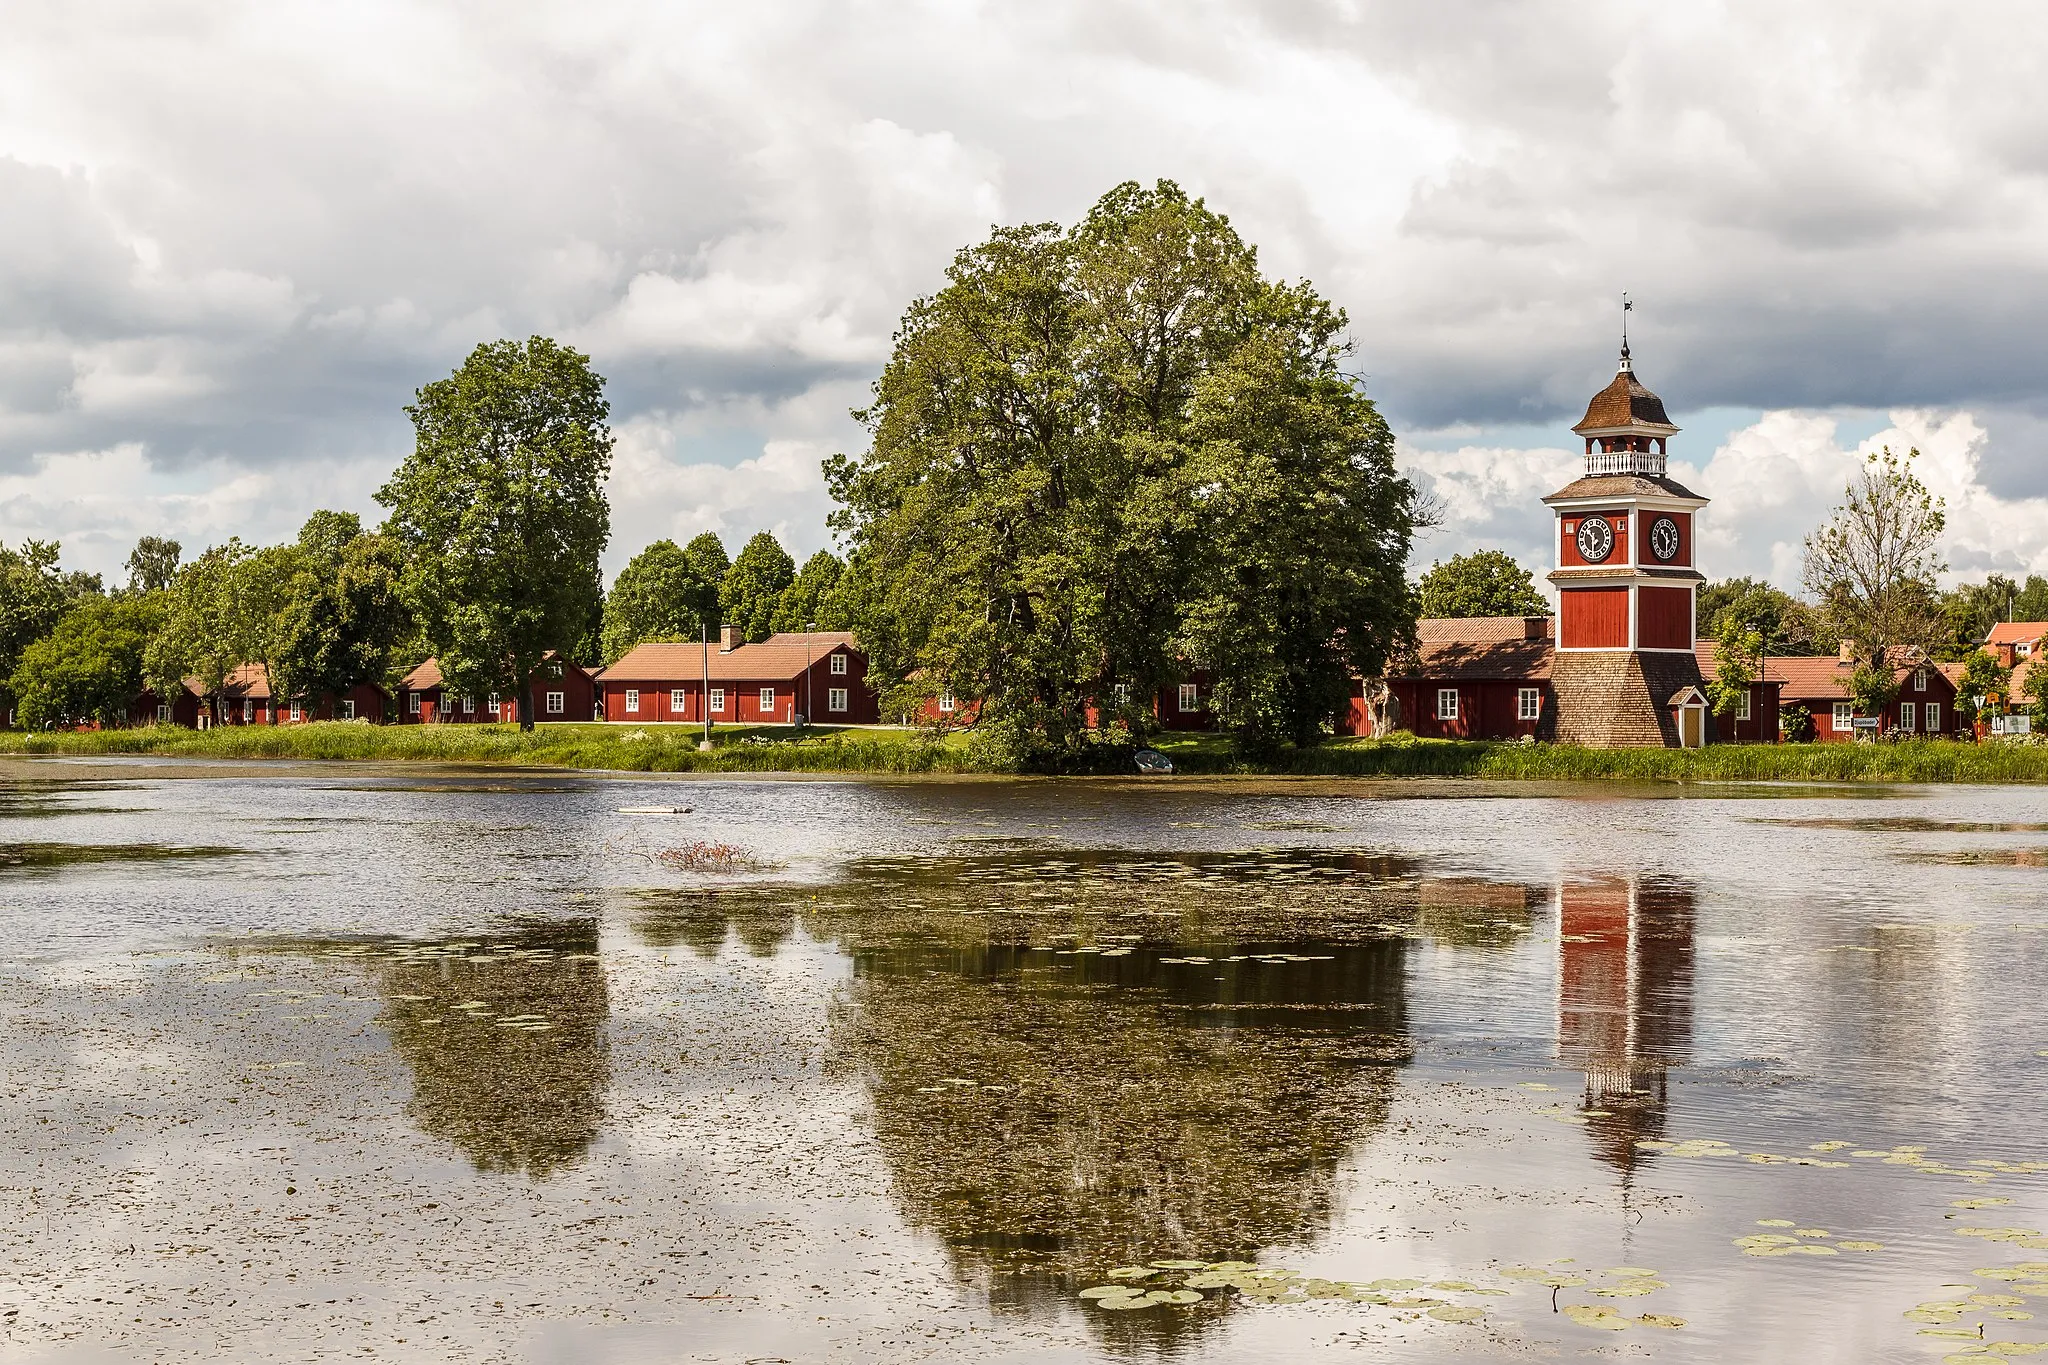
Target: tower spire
point(1626, 308)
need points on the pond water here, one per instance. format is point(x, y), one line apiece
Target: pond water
point(437, 1064)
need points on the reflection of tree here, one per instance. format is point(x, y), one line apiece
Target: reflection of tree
point(1624, 1002)
point(511, 1099)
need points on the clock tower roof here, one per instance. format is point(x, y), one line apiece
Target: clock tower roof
point(1625, 406)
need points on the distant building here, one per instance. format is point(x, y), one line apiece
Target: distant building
point(245, 699)
point(821, 675)
point(1926, 703)
point(562, 690)
point(1484, 677)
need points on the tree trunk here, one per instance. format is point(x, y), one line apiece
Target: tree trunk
point(522, 699)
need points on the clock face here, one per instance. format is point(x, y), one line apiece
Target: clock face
point(1596, 539)
point(1664, 538)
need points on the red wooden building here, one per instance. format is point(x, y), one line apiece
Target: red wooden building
point(561, 690)
point(820, 675)
point(245, 699)
point(1755, 719)
point(1925, 707)
point(1482, 677)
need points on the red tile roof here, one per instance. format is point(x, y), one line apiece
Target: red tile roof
point(1802, 677)
point(1481, 647)
point(427, 674)
point(780, 657)
point(2016, 632)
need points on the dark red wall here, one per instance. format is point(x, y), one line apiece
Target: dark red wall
point(1645, 520)
point(1592, 618)
point(1568, 540)
point(1663, 618)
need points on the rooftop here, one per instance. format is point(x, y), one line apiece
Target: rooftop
point(1625, 405)
point(783, 655)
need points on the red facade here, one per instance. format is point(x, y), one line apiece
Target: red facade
point(821, 676)
point(561, 690)
point(1568, 539)
point(1664, 618)
point(1646, 555)
point(1593, 618)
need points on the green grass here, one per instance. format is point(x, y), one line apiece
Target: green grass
point(763, 749)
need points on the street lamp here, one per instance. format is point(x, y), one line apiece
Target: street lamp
point(810, 627)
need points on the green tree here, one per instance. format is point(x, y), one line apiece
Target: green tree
point(1483, 583)
point(204, 634)
point(753, 587)
point(1872, 568)
point(1055, 448)
point(153, 563)
point(500, 512)
point(88, 669)
point(343, 614)
point(659, 595)
point(1983, 677)
point(33, 598)
point(1786, 624)
point(813, 599)
point(707, 555)
point(1738, 663)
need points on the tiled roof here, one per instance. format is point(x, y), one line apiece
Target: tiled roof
point(1623, 403)
point(245, 680)
point(2016, 632)
point(781, 656)
point(1806, 676)
point(427, 675)
point(1627, 571)
point(1475, 629)
point(1476, 647)
point(1622, 486)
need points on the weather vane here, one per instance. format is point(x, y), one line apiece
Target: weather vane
point(1626, 306)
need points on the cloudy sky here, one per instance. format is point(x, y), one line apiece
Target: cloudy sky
point(234, 237)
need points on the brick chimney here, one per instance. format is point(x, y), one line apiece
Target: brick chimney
point(1848, 653)
point(728, 639)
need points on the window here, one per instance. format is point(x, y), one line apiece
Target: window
point(492, 704)
point(1920, 680)
point(945, 701)
point(298, 711)
point(838, 665)
point(1907, 716)
point(1447, 703)
point(1190, 698)
point(633, 700)
point(675, 700)
point(554, 703)
point(2023, 650)
point(348, 708)
point(835, 699)
point(1122, 692)
point(1845, 711)
point(767, 701)
point(718, 699)
point(469, 706)
point(163, 712)
point(248, 709)
point(1742, 705)
point(1528, 703)
point(1934, 718)
point(412, 702)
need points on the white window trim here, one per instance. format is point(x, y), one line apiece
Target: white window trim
point(767, 701)
point(835, 699)
point(676, 700)
point(298, 711)
point(348, 708)
point(1742, 705)
point(1121, 694)
point(838, 665)
point(946, 702)
point(1447, 703)
point(1190, 698)
point(492, 703)
point(1933, 717)
point(1919, 680)
point(469, 706)
point(412, 702)
point(556, 702)
point(632, 701)
point(718, 700)
point(1528, 703)
point(1909, 718)
point(1845, 712)
point(163, 712)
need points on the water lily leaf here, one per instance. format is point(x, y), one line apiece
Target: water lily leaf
point(1456, 1312)
point(1775, 1223)
point(1595, 1315)
point(1129, 1272)
point(1664, 1320)
point(1180, 1265)
point(1175, 1296)
point(1861, 1246)
point(1107, 1291)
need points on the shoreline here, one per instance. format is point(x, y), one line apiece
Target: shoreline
point(589, 748)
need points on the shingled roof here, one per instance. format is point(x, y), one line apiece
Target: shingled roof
point(781, 656)
point(1624, 403)
point(1621, 486)
point(1468, 649)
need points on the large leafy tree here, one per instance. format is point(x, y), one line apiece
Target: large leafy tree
point(754, 585)
point(1783, 623)
point(659, 595)
point(1482, 583)
point(153, 563)
point(707, 555)
point(814, 598)
point(343, 614)
point(1058, 446)
point(90, 667)
point(1871, 569)
point(33, 598)
point(500, 512)
point(206, 631)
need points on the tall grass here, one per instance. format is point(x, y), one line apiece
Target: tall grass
point(656, 749)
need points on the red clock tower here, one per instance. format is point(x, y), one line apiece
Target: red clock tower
point(1624, 672)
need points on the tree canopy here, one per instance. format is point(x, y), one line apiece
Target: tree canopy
point(1482, 583)
point(814, 599)
point(153, 563)
point(661, 594)
point(1783, 623)
point(1871, 570)
point(1114, 455)
point(89, 668)
point(33, 597)
point(754, 585)
point(500, 512)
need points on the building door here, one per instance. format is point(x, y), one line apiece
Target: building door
point(1692, 727)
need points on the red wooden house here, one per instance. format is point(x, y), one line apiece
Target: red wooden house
point(1482, 677)
point(561, 690)
point(820, 675)
point(1925, 707)
point(1755, 719)
point(245, 699)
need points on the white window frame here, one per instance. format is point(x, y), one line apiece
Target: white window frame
point(348, 708)
point(1742, 705)
point(1447, 703)
point(1845, 715)
point(492, 704)
point(248, 710)
point(838, 664)
point(298, 710)
point(163, 712)
point(1919, 680)
point(835, 699)
point(1528, 703)
point(469, 706)
point(767, 701)
point(632, 701)
point(556, 703)
point(678, 700)
point(718, 701)
point(1190, 698)
point(1909, 717)
point(412, 702)
point(1121, 693)
point(1934, 718)
point(2023, 650)
point(946, 703)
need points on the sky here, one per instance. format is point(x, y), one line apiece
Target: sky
point(236, 235)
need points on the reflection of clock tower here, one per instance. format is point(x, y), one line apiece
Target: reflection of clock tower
point(1624, 672)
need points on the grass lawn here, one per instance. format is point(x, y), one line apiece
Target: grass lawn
point(775, 748)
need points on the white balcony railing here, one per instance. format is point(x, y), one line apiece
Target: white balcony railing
point(1625, 462)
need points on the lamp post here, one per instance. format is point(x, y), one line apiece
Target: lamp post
point(704, 694)
point(809, 646)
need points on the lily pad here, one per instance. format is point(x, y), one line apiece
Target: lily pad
point(1457, 1312)
point(1664, 1320)
point(1595, 1315)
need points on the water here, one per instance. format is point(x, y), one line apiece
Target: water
point(438, 1064)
